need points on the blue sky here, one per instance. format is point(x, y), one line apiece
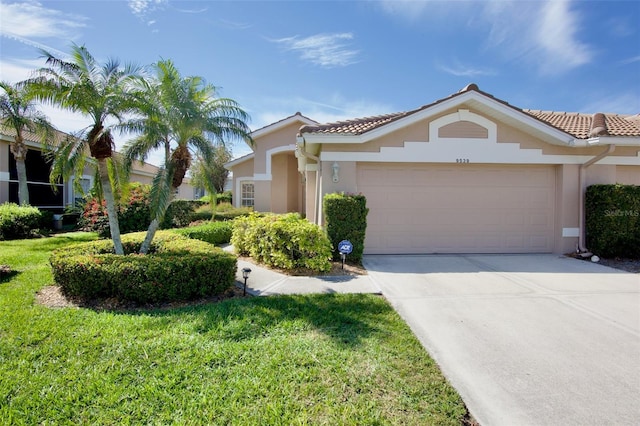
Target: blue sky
point(349, 59)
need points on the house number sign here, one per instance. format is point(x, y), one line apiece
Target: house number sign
point(462, 160)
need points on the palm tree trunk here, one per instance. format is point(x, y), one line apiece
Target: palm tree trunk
point(153, 228)
point(19, 151)
point(23, 189)
point(151, 232)
point(107, 192)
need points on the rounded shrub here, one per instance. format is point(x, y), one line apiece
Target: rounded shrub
point(18, 222)
point(283, 241)
point(176, 268)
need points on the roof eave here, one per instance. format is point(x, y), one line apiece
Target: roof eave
point(237, 161)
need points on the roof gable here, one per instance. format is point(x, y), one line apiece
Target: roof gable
point(297, 117)
point(552, 127)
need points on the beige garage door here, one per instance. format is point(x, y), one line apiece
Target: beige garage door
point(459, 208)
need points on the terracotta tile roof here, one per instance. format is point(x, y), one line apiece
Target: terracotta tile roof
point(29, 136)
point(584, 126)
point(579, 125)
point(357, 126)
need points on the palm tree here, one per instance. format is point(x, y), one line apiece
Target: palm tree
point(103, 92)
point(211, 176)
point(186, 115)
point(18, 112)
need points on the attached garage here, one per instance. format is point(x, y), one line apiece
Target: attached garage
point(458, 208)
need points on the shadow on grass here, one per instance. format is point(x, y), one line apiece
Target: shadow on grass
point(7, 274)
point(345, 318)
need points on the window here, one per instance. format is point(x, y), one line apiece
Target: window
point(247, 197)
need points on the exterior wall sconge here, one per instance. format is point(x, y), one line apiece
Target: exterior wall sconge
point(336, 170)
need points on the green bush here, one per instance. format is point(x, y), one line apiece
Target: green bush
point(18, 222)
point(213, 232)
point(282, 241)
point(180, 213)
point(346, 219)
point(613, 220)
point(225, 197)
point(134, 213)
point(176, 268)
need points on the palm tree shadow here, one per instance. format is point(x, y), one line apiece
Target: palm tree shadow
point(346, 319)
point(7, 274)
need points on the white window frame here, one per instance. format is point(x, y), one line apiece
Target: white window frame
point(245, 200)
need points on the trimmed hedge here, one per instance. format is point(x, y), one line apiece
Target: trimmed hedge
point(613, 220)
point(177, 268)
point(213, 233)
point(17, 222)
point(346, 218)
point(282, 241)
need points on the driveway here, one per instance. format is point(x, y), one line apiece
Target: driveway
point(525, 339)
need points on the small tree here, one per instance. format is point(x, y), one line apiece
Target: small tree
point(103, 92)
point(188, 114)
point(211, 176)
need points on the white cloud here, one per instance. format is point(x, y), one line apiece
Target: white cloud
point(555, 39)
point(325, 50)
point(333, 108)
point(460, 70)
point(622, 103)
point(630, 60)
point(32, 20)
point(540, 34)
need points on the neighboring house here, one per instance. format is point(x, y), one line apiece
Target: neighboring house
point(466, 174)
point(41, 194)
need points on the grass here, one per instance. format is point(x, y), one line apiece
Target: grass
point(323, 359)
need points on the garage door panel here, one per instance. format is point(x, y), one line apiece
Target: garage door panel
point(458, 208)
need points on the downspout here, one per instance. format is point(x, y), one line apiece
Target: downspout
point(305, 154)
point(582, 183)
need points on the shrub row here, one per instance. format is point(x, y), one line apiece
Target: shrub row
point(176, 268)
point(213, 232)
point(282, 241)
point(134, 213)
point(18, 222)
point(613, 220)
point(346, 219)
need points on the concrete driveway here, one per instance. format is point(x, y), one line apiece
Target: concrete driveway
point(525, 339)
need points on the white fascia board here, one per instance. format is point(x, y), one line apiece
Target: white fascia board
point(614, 140)
point(280, 124)
point(553, 135)
point(237, 161)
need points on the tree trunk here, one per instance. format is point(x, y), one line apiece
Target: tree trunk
point(112, 212)
point(23, 190)
point(19, 151)
point(153, 228)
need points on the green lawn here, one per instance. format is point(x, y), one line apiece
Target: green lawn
point(324, 359)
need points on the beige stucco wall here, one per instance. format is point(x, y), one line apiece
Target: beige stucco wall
point(280, 138)
point(628, 175)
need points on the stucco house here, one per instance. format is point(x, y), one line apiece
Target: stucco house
point(465, 174)
point(41, 194)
